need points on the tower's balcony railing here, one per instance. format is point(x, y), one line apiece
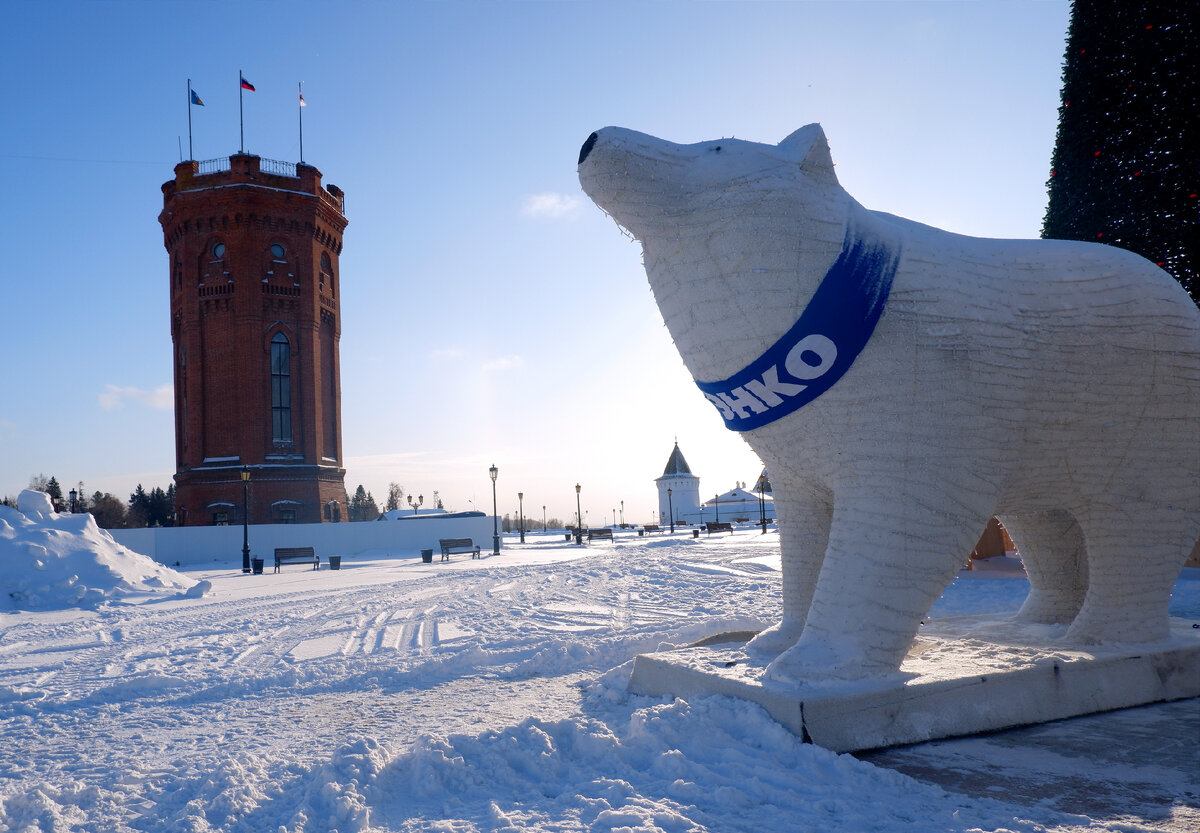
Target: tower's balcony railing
point(188, 176)
point(267, 166)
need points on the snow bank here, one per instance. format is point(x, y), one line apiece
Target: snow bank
point(52, 561)
point(715, 764)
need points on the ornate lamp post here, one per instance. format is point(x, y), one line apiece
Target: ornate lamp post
point(521, 513)
point(717, 508)
point(493, 471)
point(622, 514)
point(671, 509)
point(416, 505)
point(578, 518)
point(543, 518)
point(245, 519)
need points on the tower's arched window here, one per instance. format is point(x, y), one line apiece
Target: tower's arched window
point(281, 389)
point(326, 272)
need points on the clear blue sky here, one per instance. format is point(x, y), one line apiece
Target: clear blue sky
point(490, 313)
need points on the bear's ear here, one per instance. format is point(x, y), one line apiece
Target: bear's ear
point(808, 148)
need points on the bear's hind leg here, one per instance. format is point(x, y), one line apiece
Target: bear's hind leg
point(1135, 552)
point(1052, 549)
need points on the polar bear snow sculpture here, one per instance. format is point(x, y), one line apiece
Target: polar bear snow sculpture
point(903, 384)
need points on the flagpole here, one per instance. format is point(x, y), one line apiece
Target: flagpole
point(300, 108)
point(241, 121)
point(189, 98)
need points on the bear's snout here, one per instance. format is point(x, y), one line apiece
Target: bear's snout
point(587, 147)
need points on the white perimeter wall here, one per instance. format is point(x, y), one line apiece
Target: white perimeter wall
point(203, 544)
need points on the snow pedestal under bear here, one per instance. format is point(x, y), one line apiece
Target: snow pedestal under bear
point(904, 384)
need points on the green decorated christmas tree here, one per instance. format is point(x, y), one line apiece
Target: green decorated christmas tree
point(1126, 164)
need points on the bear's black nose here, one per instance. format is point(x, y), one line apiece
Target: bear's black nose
point(587, 148)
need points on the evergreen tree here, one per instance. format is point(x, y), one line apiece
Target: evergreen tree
point(161, 508)
point(56, 496)
point(362, 506)
point(108, 510)
point(1126, 163)
point(138, 513)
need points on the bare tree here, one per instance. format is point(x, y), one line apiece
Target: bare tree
point(395, 498)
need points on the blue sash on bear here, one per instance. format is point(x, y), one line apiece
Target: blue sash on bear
point(817, 351)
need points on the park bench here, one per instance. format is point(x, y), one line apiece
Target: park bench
point(306, 555)
point(600, 533)
point(718, 526)
point(450, 545)
point(650, 527)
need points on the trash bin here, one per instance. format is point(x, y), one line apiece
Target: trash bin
point(427, 556)
point(641, 532)
point(695, 533)
point(335, 562)
point(256, 566)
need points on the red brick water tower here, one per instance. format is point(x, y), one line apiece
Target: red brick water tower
point(254, 247)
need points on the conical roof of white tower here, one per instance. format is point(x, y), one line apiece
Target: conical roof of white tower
point(676, 465)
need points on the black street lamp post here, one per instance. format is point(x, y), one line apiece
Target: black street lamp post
point(671, 509)
point(578, 518)
point(543, 518)
point(416, 504)
point(762, 507)
point(493, 471)
point(717, 508)
point(245, 519)
point(521, 513)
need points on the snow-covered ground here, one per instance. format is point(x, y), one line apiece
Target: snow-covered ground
point(473, 695)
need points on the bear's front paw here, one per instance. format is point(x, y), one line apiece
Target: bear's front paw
point(814, 663)
point(776, 639)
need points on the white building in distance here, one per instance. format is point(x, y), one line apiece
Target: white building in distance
point(683, 501)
